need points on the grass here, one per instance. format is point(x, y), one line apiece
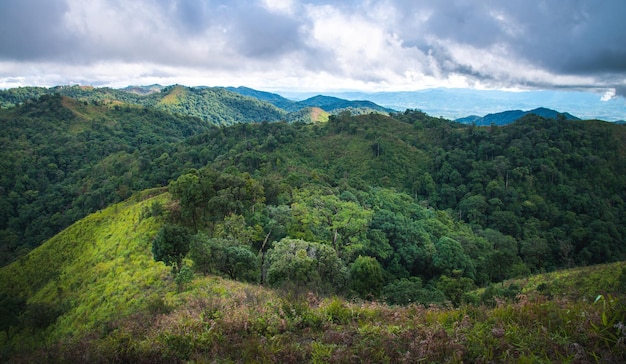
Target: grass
point(118, 305)
point(98, 268)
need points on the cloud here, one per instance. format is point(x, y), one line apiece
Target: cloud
point(388, 44)
point(33, 29)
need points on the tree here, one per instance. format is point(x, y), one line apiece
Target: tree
point(171, 245)
point(224, 256)
point(323, 216)
point(11, 308)
point(305, 264)
point(455, 286)
point(366, 277)
point(451, 257)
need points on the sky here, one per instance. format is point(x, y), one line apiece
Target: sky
point(292, 45)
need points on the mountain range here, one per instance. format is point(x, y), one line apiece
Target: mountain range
point(230, 105)
point(454, 103)
point(507, 117)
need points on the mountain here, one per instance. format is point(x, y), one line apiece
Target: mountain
point(143, 90)
point(507, 117)
point(272, 98)
point(327, 103)
point(214, 105)
point(333, 104)
point(62, 158)
point(453, 103)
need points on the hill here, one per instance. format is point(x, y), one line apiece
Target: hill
point(334, 104)
point(405, 210)
point(272, 98)
point(62, 158)
point(329, 104)
point(143, 90)
point(214, 105)
point(94, 293)
point(511, 116)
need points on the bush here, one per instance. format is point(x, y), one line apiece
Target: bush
point(306, 264)
point(407, 291)
point(366, 277)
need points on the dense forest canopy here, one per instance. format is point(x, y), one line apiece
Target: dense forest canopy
point(535, 195)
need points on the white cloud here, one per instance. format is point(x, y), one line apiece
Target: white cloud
point(608, 95)
point(389, 44)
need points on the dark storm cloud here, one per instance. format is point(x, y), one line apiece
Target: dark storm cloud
point(575, 37)
point(33, 29)
point(259, 33)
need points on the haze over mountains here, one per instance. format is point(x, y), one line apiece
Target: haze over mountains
point(455, 103)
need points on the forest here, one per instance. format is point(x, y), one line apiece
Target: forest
point(402, 209)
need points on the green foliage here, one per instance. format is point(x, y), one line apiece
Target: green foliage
point(224, 256)
point(455, 287)
point(366, 277)
point(184, 276)
point(11, 309)
point(171, 245)
point(305, 264)
point(408, 291)
point(450, 257)
point(420, 209)
point(207, 196)
point(322, 216)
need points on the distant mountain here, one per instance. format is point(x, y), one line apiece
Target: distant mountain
point(143, 90)
point(327, 103)
point(331, 104)
point(453, 103)
point(510, 116)
point(274, 99)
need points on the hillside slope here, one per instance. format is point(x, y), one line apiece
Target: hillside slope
point(61, 159)
point(93, 293)
point(96, 270)
point(214, 105)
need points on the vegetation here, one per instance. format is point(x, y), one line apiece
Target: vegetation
point(62, 159)
point(393, 238)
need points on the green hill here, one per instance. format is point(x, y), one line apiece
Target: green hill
point(214, 105)
point(508, 117)
point(62, 158)
point(329, 104)
point(94, 293)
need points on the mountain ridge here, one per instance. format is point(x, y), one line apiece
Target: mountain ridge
point(511, 116)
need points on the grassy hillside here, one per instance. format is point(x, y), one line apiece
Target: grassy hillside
point(94, 292)
point(214, 105)
point(62, 158)
point(96, 269)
